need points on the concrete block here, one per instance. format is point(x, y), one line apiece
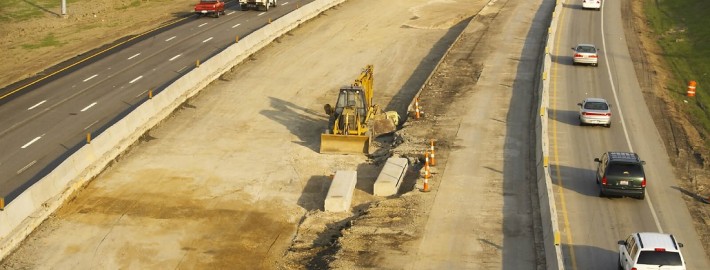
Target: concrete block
point(340, 193)
point(391, 177)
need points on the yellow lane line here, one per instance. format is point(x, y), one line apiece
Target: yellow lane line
point(565, 218)
point(87, 58)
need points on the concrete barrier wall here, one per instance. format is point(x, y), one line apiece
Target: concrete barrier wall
point(26, 212)
point(548, 209)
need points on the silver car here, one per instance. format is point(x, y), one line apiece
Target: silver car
point(594, 111)
point(585, 54)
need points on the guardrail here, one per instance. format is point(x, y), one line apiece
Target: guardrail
point(29, 209)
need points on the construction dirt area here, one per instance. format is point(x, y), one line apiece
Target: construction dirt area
point(234, 178)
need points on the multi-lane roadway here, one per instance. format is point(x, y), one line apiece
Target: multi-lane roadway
point(591, 226)
point(47, 119)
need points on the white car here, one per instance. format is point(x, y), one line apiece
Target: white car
point(650, 250)
point(592, 4)
point(586, 54)
point(594, 111)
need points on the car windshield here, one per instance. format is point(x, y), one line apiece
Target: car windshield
point(659, 258)
point(602, 106)
point(625, 169)
point(586, 49)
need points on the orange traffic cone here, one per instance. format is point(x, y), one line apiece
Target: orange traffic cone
point(691, 88)
point(416, 107)
point(427, 173)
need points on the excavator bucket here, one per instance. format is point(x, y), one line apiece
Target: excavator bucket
point(383, 123)
point(344, 144)
point(381, 127)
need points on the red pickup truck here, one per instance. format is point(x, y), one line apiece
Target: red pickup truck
point(214, 7)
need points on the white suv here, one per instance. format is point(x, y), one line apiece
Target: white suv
point(592, 4)
point(648, 250)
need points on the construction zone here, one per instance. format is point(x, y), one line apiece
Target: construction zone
point(241, 175)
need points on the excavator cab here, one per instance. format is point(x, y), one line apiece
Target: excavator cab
point(350, 99)
point(346, 132)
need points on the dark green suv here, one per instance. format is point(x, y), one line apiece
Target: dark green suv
point(621, 174)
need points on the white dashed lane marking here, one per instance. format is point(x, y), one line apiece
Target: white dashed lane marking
point(35, 106)
point(88, 107)
point(87, 79)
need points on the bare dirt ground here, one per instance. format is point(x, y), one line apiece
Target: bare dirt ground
point(684, 144)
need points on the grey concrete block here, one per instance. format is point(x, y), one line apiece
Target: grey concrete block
point(391, 177)
point(340, 193)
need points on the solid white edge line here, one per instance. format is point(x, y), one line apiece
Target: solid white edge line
point(136, 79)
point(93, 76)
point(31, 142)
point(623, 123)
point(87, 127)
point(35, 106)
point(88, 107)
point(26, 167)
point(141, 93)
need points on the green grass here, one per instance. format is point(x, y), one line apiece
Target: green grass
point(683, 31)
point(47, 41)
point(23, 10)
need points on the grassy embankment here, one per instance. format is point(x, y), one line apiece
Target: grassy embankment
point(18, 11)
point(683, 31)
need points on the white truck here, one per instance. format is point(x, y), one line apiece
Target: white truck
point(262, 5)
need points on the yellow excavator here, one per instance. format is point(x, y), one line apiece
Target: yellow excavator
point(355, 121)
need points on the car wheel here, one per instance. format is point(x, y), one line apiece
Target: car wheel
point(620, 266)
point(216, 14)
point(601, 194)
point(608, 125)
point(581, 124)
point(642, 196)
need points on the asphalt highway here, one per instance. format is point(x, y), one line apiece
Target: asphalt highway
point(590, 225)
point(48, 118)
